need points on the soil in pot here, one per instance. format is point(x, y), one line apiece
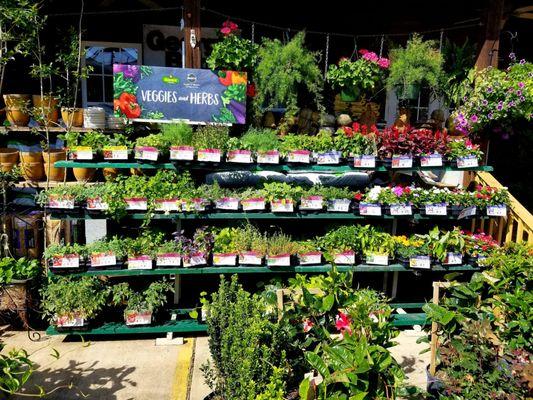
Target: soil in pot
point(84, 174)
point(72, 116)
point(8, 158)
point(45, 108)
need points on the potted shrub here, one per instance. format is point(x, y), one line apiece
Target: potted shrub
point(280, 249)
point(196, 251)
point(418, 64)
point(308, 253)
point(15, 275)
point(70, 303)
point(358, 77)
point(413, 251)
point(447, 247)
point(140, 307)
point(210, 142)
point(106, 254)
point(264, 142)
point(225, 247)
point(169, 254)
point(464, 153)
point(281, 196)
point(65, 256)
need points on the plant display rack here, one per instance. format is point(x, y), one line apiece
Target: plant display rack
point(180, 322)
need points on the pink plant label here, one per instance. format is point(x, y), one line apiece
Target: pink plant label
point(369, 209)
point(253, 204)
point(195, 260)
point(115, 153)
point(339, 205)
point(453, 259)
point(240, 156)
point(184, 153)
point(227, 203)
point(299, 156)
point(401, 209)
point(282, 260)
point(345, 258)
point(140, 262)
point(268, 157)
point(139, 204)
point(250, 258)
point(436, 209)
point(499, 210)
point(431, 160)
point(402, 162)
point(420, 262)
point(364, 161)
point(61, 202)
point(467, 212)
point(467, 162)
point(209, 155)
point(138, 318)
point(103, 259)
point(328, 158)
point(96, 203)
point(284, 205)
point(66, 261)
point(146, 153)
point(167, 205)
point(225, 259)
point(168, 260)
point(377, 259)
point(312, 203)
point(314, 257)
point(65, 321)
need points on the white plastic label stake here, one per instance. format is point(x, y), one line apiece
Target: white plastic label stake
point(421, 262)
point(253, 204)
point(431, 160)
point(312, 203)
point(225, 259)
point(497, 211)
point(377, 259)
point(250, 258)
point(115, 153)
point(167, 205)
point(282, 206)
point(136, 204)
point(436, 209)
point(328, 158)
point(146, 153)
point(468, 212)
point(66, 261)
point(467, 162)
point(194, 260)
point(279, 261)
point(402, 162)
point(209, 155)
point(369, 209)
point(401, 209)
point(240, 156)
point(184, 153)
point(64, 203)
point(347, 257)
point(97, 204)
point(83, 153)
point(135, 318)
point(339, 205)
point(227, 203)
point(69, 322)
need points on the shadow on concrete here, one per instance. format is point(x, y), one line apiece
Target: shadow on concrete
point(408, 364)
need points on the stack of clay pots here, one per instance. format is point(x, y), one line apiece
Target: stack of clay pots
point(8, 159)
point(35, 166)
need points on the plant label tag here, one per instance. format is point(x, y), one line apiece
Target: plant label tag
point(436, 209)
point(431, 160)
point(499, 210)
point(227, 203)
point(97, 204)
point(421, 262)
point(167, 205)
point(328, 158)
point(138, 318)
point(314, 257)
point(401, 209)
point(299, 156)
point(402, 162)
point(283, 260)
point(468, 212)
point(364, 161)
point(453, 259)
point(250, 258)
point(103, 259)
point(140, 262)
point(312, 203)
point(64, 321)
point(268, 157)
point(240, 156)
point(197, 204)
point(209, 155)
point(377, 259)
point(139, 204)
point(283, 205)
point(115, 153)
point(168, 260)
point(253, 204)
point(146, 153)
point(225, 259)
point(83, 153)
point(61, 202)
point(344, 258)
point(66, 261)
point(184, 153)
point(339, 205)
point(195, 260)
point(370, 209)
point(467, 162)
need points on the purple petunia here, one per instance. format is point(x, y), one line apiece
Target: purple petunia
point(511, 104)
point(490, 115)
point(500, 106)
point(522, 61)
point(474, 118)
point(522, 98)
point(519, 93)
point(521, 85)
point(489, 90)
point(512, 56)
point(485, 102)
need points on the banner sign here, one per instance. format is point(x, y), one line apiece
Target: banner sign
point(161, 94)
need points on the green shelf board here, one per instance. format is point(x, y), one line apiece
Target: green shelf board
point(251, 167)
point(409, 319)
point(265, 270)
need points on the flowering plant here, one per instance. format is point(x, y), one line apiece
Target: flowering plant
point(362, 75)
point(463, 148)
point(356, 140)
point(409, 247)
point(389, 195)
point(497, 98)
point(490, 196)
point(479, 244)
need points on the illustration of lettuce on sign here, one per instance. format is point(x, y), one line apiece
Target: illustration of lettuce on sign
point(161, 94)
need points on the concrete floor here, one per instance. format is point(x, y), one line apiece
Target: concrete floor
point(121, 369)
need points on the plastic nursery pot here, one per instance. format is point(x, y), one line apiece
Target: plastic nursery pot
point(32, 171)
point(45, 107)
point(17, 106)
point(84, 174)
point(8, 158)
point(72, 116)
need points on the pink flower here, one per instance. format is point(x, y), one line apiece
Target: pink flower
point(397, 190)
point(363, 51)
point(307, 325)
point(384, 63)
point(371, 56)
point(228, 28)
point(225, 31)
point(342, 323)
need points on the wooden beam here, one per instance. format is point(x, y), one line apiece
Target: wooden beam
point(193, 57)
point(490, 41)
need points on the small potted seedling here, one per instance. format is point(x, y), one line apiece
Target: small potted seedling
point(308, 253)
point(324, 149)
point(64, 257)
point(280, 249)
point(447, 247)
point(312, 199)
point(225, 247)
point(62, 198)
point(295, 149)
point(169, 255)
point(264, 142)
point(250, 244)
point(106, 254)
point(196, 251)
point(340, 245)
point(236, 153)
point(97, 198)
point(149, 148)
point(281, 196)
point(141, 251)
point(252, 200)
point(210, 142)
point(337, 199)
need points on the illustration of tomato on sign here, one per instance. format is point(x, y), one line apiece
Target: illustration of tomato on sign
point(162, 94)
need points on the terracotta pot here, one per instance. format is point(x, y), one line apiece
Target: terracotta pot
point(17, 100)
point(17, 116)
point(54, 155)
point(110, 173)
point(31, 157)
point(72, 116)
point(84, 174)
point(55, 174)
point(32, 171)
point(8, 159)
point(46, 105)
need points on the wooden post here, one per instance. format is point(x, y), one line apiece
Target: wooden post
point(490, 41)
point(192, 37)
point(434, 330)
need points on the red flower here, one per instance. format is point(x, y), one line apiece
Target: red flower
point(356, 127)
point(342, 323)
point(228, 28)
point(348, 131)
point(363, 51)
point(250, 90)
point(307, 325)
point(358, 196)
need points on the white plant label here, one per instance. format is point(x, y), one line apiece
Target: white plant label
point(64, 203)
point(209, 155)
point(421, 262)
point(453, 259)
point(103, 259)
point(240, 156)
point(310, 258)
point(138, 204)
point(369, 209)
point(436, 209)
point(312, 203)
point(227, 203)
point(146, 153)
point(253, 204)
point(184, 153)
point(339, 205)
point(83, 153)
point(115, 153)
point(347, 257)
point(138, 318)
point(250, 258)
point(140, 262)
point(299, 156)
point(497, 211)
point(282, 205)
point(167, 205)
point(96, 203)
point(431, 160)
point(225, 259)
point(65, 321)
point(66, 261)
point(195, 260)
point(377, 259)
point(402, 162)
point(279, 261)
point(467, 162)
point(401, 209)
point(268, 157)
point(168, 260)
point(328, 158)
point(364, 161)
point(468, 212)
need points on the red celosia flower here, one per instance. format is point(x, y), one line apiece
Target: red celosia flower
point(343, 323)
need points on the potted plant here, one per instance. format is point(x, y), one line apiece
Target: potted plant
point(264, 142)
point(340, 245)
point(149, 148)
point(169, 254)
point(308, 253)
point(447, 247)
point(337, 199)
point(134, 189)
point(281, 196)
point(142, 250)
point(140, 307)
point(396, 200)
point(62, 197)
point(492, 200)
point(377, 247)
point(179, 136)
point(369, 204)
point(199, 199)
point(358, 142)
point(65, 256)
point(413, 252)
point(106, 254)
point(71, 303)
point(210, 141)
point(82, 147)
point(358, 77)
point(236, 153)
point(418, 64)
point(324, 148)
point(464, 153)
point(15, 275)
point(252, 200)
point(250, 244)
point(312, 199)
point(295, 148)
point(280, 249)
point(196, 251)
point(479, 246)
point(225, 247)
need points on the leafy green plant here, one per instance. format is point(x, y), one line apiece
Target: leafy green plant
point(146, 243)
point(442, 243)
point(62, 250)
point(463, 148)
point(233, 53)
point(351, 141)
point(249, 238)
point(276, 190)
point(150, 300)
point(211, 137)
point(177, 134)
point(340, 239)
point(322, 142)
point(293, 142)
point(260, 140)
point(458, 61)
point(280, 243)
point(113, 245)
point(225, 241)
point(94, 139)
point(76, 192)
point(17, 269)
point(332, 193)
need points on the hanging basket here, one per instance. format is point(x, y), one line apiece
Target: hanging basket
point(408, 92)
point(350, 94)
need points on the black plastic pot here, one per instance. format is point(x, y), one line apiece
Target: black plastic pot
point(435, 386)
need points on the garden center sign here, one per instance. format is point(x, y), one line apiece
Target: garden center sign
point(161, 94)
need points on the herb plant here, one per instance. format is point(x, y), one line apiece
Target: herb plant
point(149, 300)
